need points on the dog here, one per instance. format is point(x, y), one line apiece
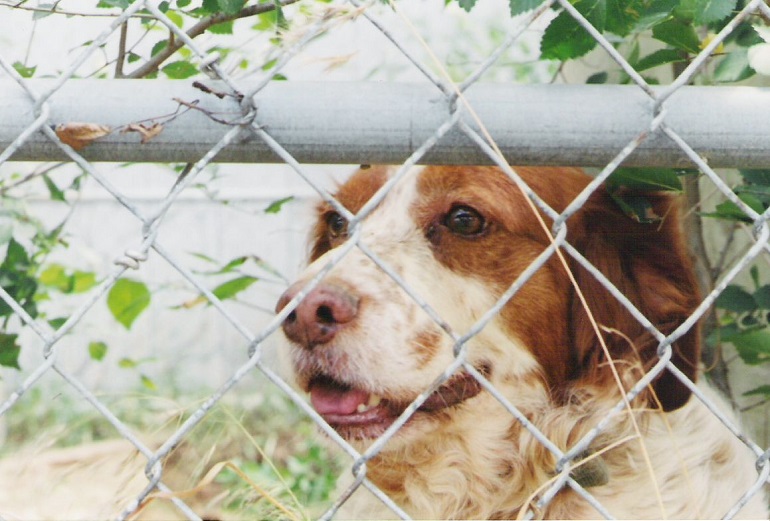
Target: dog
point(562, 351)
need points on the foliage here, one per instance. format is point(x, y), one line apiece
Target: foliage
point(745, 310)
point(26, 274)
point(682, 29)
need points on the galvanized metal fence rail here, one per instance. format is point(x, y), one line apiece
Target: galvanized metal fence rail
point(473, 123)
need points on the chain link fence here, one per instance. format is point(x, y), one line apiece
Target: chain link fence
point(236, 115)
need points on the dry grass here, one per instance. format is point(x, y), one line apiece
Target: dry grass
point(240, 462)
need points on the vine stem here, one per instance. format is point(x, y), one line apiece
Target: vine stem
point(199, 28)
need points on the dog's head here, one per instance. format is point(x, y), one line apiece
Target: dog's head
point(458, 237)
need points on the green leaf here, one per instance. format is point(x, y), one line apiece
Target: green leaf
point(736, 299)
point(230, 267)
point(653, 13)
point(266, 21)
point(204, 257)
point(97, 351)
point(276, 206)
point(221, 28)
point(183, 3)
point(636, 207)
point(280, 17)
point(622, 16)
point(516, 6)
point(6, 232)
point(757, 177)
point(228, 290)
point(565, 38)
point(730, 211)
point(723, 333)
point(762, 390)
point(762, 297)
point(127, 299)
point(231, 6)
point(753, 346)
point(53, 190)
point(180, 70)
point(754, 272)
point(678, 34)
point(660, 57)
point(233, 265)
point(83, 281)
point(709, 11)
point(158, 47)
point(16, 258)
point(466, 4)
point(127, 363)
point(597, 79)
point(122, 4)
point(55, 276)
point(148, 383)
point(9, 351)
point(269, 64)
point(16, 279)
point(646, 179)
point(176, 18)
point(56, 323)
point(210, 6)
point(734, 67)
point(23, 70)
point(39, 14)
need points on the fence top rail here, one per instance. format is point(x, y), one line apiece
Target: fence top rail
point(367, 122)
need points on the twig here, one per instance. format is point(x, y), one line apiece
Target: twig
point(121, 50)
point(719, 267)
point(29, 177)
point(755, 405)
point(54, 10)
point(194, 106)
point(199, 28)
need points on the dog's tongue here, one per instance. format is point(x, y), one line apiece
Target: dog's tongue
point(330, 398)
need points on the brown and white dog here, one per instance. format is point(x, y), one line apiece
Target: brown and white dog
point(459, 237)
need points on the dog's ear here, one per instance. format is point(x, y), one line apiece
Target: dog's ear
point(649, 263)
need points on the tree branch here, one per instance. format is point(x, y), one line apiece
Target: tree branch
point(199, 28)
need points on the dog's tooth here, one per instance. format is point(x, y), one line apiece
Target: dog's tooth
point(374, 401)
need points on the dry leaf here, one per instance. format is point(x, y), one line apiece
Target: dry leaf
point(147, 131)
point(80, 135)
point(335, 62)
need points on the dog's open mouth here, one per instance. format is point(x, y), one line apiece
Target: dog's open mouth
point(357, 414)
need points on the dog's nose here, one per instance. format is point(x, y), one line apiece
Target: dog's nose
point(320, 315)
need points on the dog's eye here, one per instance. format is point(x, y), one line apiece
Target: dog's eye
point(337, 225)
point(464, 220)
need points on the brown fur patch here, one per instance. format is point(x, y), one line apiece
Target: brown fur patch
point(647, 262)
point(352, 195)
point(426, 344)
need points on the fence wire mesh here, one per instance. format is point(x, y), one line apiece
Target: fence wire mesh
point(460, 116)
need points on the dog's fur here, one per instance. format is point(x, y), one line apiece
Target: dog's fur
point(459, 237)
